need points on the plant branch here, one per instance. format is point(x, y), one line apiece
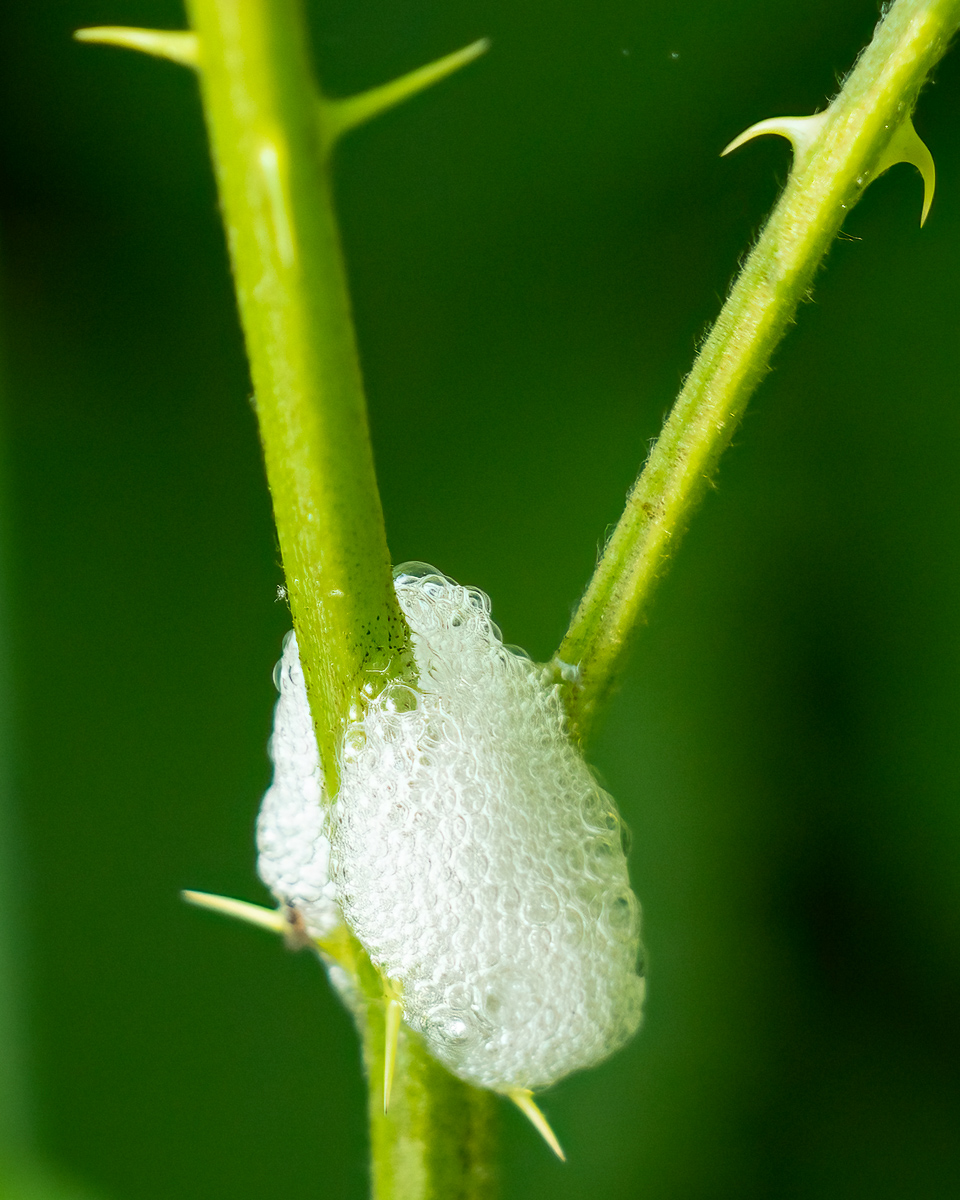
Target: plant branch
point(439, 1139)
point(261, 103)
point(847, 148)
point(271, 132)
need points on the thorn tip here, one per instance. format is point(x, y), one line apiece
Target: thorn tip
point(907, 146)
point(800, 132)
point(339, 116)
point(254, 914)
point(179, 45)
point(391, 1023)
point(523, 1099)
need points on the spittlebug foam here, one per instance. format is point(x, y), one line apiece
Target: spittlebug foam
point(469, 849)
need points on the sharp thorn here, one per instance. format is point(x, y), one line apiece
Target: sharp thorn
point(800, 132)
point(523, 1099)
point(254, 914)
point(391, 1024)
point(180, 46)
point(339, 116)
point(907, 146)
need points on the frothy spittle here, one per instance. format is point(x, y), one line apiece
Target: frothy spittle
point(294, 849)
point(470, 850)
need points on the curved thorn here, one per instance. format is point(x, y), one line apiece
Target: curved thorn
point(391, 1037)
point(254, 914)
point(800, 132)
point(523, 1099)
point(339, 116)
point(178, 45)
point(907, 146)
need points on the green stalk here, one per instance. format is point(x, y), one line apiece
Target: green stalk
point(439, 1139)
point(261, 107)
point(847, 152)
point(271, 132)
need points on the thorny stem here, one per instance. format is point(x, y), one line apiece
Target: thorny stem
point(261, 105)
point(439, 1139)
point(877, 97)
point(270, 152)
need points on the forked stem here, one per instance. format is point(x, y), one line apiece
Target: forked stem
point(270, 145)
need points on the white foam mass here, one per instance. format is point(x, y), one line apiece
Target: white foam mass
point(294, 849)
point(470, 850)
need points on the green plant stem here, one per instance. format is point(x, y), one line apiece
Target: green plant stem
point(270, 154)
point(432, 1114)
point(877, 97)
point(261, 105)
point(438, 1140)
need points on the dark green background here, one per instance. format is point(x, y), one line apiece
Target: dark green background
point(535, 249)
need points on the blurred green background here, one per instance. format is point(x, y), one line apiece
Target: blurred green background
point(535, 249)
